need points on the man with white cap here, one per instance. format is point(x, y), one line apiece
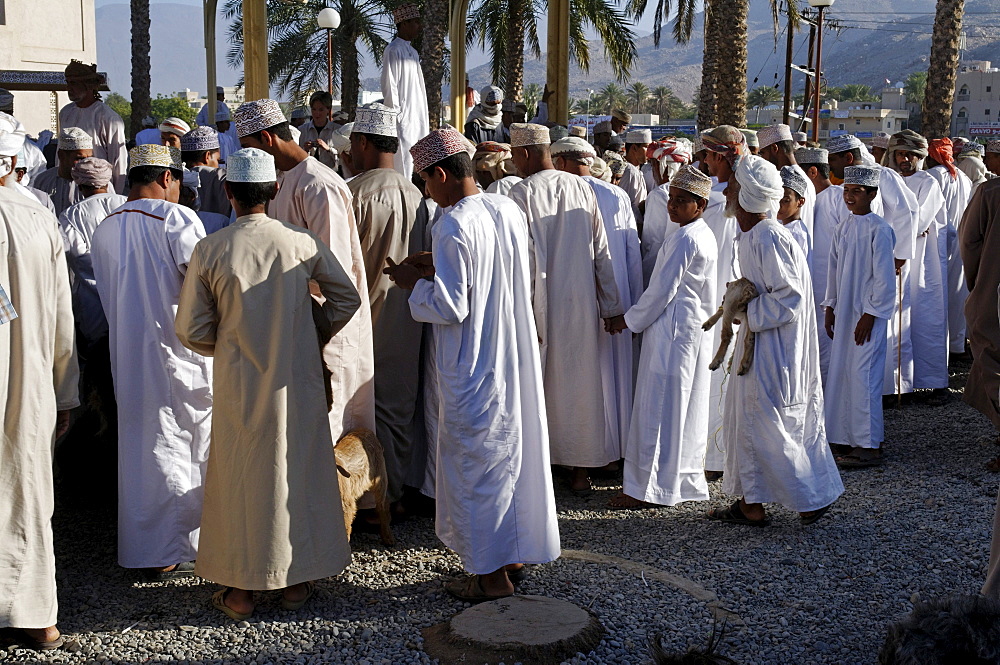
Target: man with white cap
point(668, 433)
point(385, 206)
point(315, 197)
point(89, 113)
point(171, 131)
point(164, 391)
point(574, 288)
point(484, 122)
point(272, 517)
point(200, 152)
point(38, 363)
point(149, 134)
point(800, 138)
point(298, 117)
point(403, 85)
point(859, 300)
point(776, 448)
point(664, 159)
point(574, 155)
point(778, 147)
point(991, 157)
point(57, 182)
point(636, 142)
point(753, 141)
point(880, 143)
point(495, 504)
point(202, 118)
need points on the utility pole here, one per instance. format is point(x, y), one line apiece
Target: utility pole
point(788, 73)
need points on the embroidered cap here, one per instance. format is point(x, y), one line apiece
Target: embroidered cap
point(260, 114)
point(993, 146)
point(603, 127)
point(375, 119)
point(639, 136)
point(692, 180)
point(200, 139)
point(527, 133)
point(881, 140)
point(250, 165)
point(223, 116)
point(74, 138)
point(793, 180)
point(578, 130)
point(812, 156)
point(867, 176)
point(405, 13)
point(491, 95)
point(799, 137)
point(155, 155)
point(300, 112)
point(773, 133)
point(441, 144)
point(751, 137)
point(843, 143)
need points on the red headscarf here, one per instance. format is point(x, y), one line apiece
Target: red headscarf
point(942, 152)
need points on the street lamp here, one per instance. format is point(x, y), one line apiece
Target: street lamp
point(590, 93)
point(329, 19)
point(820, 5)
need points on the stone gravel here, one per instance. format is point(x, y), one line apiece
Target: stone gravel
point(918, 527)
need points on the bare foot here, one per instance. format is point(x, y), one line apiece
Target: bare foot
point(496, 583)
point(49, 634)
point(580, 481)
point(296, 593)
point(239, 600)
point(752, 511)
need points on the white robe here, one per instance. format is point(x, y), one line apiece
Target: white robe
point(665, 453)
point(424, 476)
point(829, 214)
point(38, 378)
point(33, 160)
point(656, 226)
point(495, 503)
point(725, 230)
point(957, 192)
point(862, 281)
point(573, 289)
point(635, 186)
point(503, 185)
point(776, 448)
point(403, 88)
point(164, 390)
point(808, 208)
point(108, 131)
point(619, 352)
point(801, 235)
point(62, 193)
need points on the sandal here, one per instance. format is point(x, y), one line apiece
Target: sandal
point(296, 604)
point(21, 637)
point(469, 590)
point(517, 575)
point(734, 515)
point(219, 603)
point(812, 517)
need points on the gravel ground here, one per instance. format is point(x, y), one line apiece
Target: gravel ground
point(917, 527)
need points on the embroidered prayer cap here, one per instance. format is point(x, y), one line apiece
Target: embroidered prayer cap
point(148, 122)
point(603, 127)
point(200, 139)
point(972, 149)
point(753, 141)
point(92, 172)
point(793, 180)
point(557, 132)
point(219, 90)
point(12, 135)
point(639, 136)
point(799, 137)
point(992, 146)
point(812, 156)
point(881, 140)
point(760, 184)
point(174, 126)
point(773, 133)
point(74, 138)
point(440, 144)
point(78, 71)
point(697, 145)
point(340, 138)
point(622, 115)
point(223, 115)
point(491, 95)
point(155, 155)
point(260, 114)
point(866, 176)
point(6, 101)
point(616, 163)
point(908, 141)
point(250, 165)
point(528, 133)
point(300, 112)
point(844, 143)
point(578, 131)
point(405, 13)
point(375, 119)
point(692, 180)
point(616, 143)
point(572, 146)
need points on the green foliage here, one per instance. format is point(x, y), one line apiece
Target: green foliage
point(122, 107)
point(914, 87)
point(610, 97)
point(854, 92)
point(763, 95)
point(167, 107)
point(532, 95)
point(639, 94)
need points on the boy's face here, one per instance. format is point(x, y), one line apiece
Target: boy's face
point(790, 206)
point(858, 199)
point(683, 206)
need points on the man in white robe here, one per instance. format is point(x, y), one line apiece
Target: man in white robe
point(313, 196)
point(664, 159)
point(776, 449)
point(57, 182)
point(164, 391)
point(778, 147)
point(573, 289)
point(38, 389)
point(273, 517)
point(495, 504)
point(957, 190)
point(89, 113)
point(618, 353)
point(403, 85)
point(632, 181)
point(202, 118)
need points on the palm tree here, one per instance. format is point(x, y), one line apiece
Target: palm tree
point(708, 92)
point(532, 95)
point(140, 64)
point(638, 94)
point(855, 92)
point(663, 99)
point(610, 97)
point(501, 28)
point(297, 45)
point(761, 96)
point(731, 100)
point(433, 54)
point(914, 87)
point(940, 91)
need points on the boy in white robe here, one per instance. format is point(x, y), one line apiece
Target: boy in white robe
point(859, 298)
point(664, 456)
point(664, 159)
point(495, 504)
point(790, 208)
point(776, 449)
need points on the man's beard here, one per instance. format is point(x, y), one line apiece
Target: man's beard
point(732, 207)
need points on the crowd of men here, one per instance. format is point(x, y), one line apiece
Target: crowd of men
point(493, 304)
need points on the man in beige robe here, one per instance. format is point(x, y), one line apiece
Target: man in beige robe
point(385, 206)
point(38, 387)
point(315, 197)
point(573, 289)
point(272, 517)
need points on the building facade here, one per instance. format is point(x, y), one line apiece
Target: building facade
point(976, 111)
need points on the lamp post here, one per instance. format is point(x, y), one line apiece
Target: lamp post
point(820, 5)
point(329, 19)
point(590, 93)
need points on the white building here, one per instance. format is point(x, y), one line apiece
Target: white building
point(976, 110)
point(233, 97)
point(38, 38)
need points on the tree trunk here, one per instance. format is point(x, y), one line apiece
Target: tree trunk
point(731, 20)
point(140, 64)
point(514, 71)
point(709, 70)
point(351, 83)
point(943, 70)
point(433, 56)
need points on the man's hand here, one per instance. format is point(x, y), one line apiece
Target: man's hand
point(308, 145)
point(899, 264)
point(615, 324)
point(405, 275)
point(322, 144)
point(829, 321)
point(62, 423)
point(863, 333)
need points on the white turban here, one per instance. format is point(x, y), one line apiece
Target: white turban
point(12, 136)
point(761, 188)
